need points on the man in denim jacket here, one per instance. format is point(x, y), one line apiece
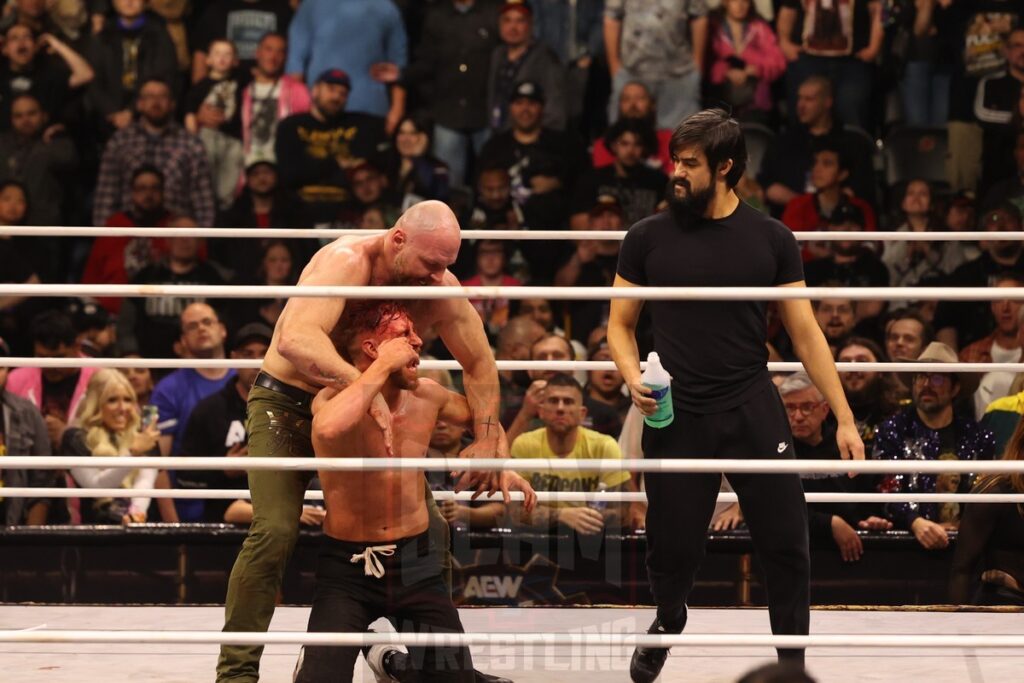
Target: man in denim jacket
point(22, 432)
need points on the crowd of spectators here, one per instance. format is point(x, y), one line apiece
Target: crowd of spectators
point(522, 116)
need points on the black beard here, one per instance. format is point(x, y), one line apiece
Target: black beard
point(690, 209)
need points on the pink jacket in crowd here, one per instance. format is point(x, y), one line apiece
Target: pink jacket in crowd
point(28, 383)
point(292, 98)
point(761, 49)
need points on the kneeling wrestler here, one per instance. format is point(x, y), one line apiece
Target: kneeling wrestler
point(377, 558)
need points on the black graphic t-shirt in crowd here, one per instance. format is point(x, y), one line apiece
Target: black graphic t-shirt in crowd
point(57, 396)
point(224, 94)
point(715, 350)
point(46, 79)
point(638, 193)
point(243, 22)
point(308, 151)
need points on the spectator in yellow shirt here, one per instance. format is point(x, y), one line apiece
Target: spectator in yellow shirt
point(562, 411)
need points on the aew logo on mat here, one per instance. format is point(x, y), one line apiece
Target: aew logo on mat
point(493, 587)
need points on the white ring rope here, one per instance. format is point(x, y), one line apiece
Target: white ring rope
point(542, 496)
point(937, 235)
point(725, 465)
point(507, 292)
point(558, 365)
point(888, 641)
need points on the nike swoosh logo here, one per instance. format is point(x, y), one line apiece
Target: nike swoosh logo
point(783, 446)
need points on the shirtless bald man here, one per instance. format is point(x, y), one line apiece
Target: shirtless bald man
point(377, 558)
point(302, 359)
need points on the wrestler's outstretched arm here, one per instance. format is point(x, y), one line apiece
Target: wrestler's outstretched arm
point(463, 334)
point(812, 349)
point(455, 409)
point(338, 414)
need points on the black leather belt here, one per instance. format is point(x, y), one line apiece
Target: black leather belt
point(302, 397)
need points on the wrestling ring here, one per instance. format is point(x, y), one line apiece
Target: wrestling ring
point(164, 644)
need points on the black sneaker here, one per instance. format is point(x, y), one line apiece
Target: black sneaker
point(389, 664)
point(647, 662)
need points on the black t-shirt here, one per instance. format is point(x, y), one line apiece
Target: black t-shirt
point(715, 350)
point(555, 153)
point(972, 319)
point(46, 79)
point(602, 418)
point(308, 149)
point(216, 425)
point(15, 267)
point(835, 33)
point(866, 271)
point(225, 94)
point(57, 396)
point(791, 155)
point(587, 315)
point(638, 193)
point(819, 515)
point(158, 319)
point(243, 22)
point(948, 441)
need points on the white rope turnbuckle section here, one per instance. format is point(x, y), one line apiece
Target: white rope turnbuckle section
point(542, 496)
point(506, 292)
point(512, 365)
point(705, 465)
point(624, 640)
point(939, 235)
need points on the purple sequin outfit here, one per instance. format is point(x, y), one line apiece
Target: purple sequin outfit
point(905, 437)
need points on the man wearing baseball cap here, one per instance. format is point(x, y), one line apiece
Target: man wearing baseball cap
point(520, 58)
point(315, 149)
point(366, 38)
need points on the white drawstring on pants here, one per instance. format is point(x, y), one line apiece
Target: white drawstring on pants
point(372, 566)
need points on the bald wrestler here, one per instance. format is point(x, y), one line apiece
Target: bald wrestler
point(377, 558)
point(302, 359)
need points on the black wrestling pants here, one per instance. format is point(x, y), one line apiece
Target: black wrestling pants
point(410, 593)
point(680, 507)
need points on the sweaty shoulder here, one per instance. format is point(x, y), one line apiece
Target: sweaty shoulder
point(429, 390)
point(347, 261)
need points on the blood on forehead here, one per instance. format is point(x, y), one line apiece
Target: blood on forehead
point(372, 316)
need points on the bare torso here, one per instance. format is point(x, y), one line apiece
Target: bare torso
point(362, 250)
point(380, 505)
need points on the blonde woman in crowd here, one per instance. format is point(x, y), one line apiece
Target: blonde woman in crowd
point(108, 423)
